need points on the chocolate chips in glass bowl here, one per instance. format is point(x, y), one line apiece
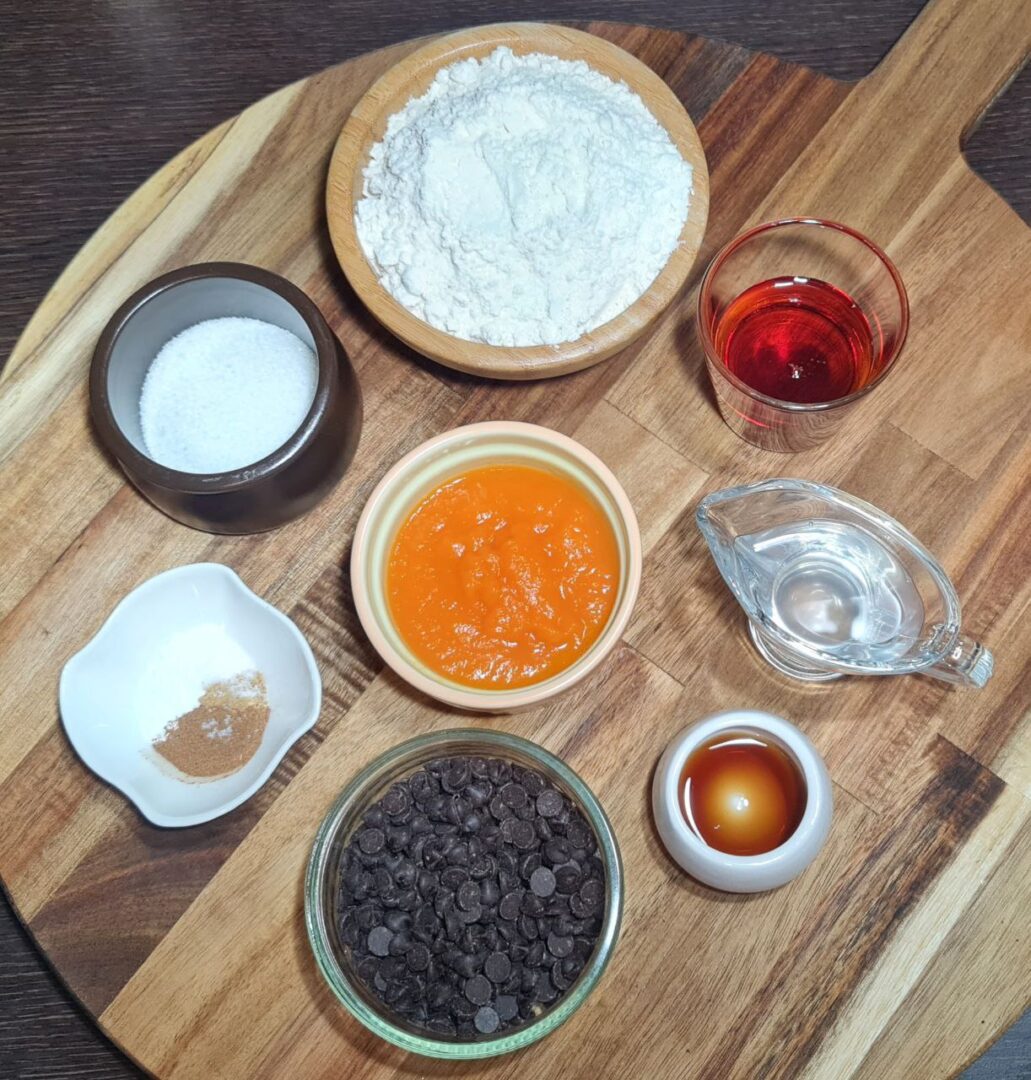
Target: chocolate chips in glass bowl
point(471, 897)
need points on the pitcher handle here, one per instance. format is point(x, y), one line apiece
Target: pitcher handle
point(968, 663)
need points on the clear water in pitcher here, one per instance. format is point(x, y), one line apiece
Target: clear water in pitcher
point(834, 586)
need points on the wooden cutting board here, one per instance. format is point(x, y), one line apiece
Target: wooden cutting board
point(906, 947)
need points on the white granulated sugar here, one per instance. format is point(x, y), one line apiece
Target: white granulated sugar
point(522, 200)
point(225, 393)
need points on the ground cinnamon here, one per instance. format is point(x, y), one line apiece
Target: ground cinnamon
point(223, 732)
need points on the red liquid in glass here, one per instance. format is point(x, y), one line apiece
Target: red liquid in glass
point(797, 339)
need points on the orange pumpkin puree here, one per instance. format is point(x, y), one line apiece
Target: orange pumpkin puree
point(503, 576)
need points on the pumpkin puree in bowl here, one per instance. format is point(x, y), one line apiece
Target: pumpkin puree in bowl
point(503, 576)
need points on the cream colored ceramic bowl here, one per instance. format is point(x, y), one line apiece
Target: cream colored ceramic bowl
point(431, 464)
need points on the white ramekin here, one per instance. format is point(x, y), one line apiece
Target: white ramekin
point(742, 873)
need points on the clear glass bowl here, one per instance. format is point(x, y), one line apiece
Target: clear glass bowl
point(320, 889)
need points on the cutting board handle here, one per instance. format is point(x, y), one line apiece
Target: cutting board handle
point(953, 61)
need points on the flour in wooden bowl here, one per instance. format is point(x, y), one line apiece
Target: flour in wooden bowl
point(522, 200)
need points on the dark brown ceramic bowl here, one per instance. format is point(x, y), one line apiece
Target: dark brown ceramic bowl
point(272, 491)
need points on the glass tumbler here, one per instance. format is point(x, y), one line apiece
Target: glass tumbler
point(800, 251)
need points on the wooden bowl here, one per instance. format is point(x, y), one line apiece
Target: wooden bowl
point(411, 78)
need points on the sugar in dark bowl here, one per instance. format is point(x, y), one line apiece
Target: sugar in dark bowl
point(468, 903)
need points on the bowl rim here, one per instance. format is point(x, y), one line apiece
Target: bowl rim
point(810, 833)
point(350, 154)
point(501, 744)
point(138, 795)
point(522, 697)
point(145, 468)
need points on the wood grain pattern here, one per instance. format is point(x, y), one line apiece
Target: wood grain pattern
point(177, 941)
point(367, 125)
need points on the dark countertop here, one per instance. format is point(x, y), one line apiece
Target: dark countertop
point(94, 97)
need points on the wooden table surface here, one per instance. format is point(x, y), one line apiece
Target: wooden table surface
point(94, 98)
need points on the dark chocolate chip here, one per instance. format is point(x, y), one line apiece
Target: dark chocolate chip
point(560, 945)
point(524, 835)
point(405, 874)
point(527, 927)
point(401, 943)
point(542, 881)
point(371, 840)
point(349, 929)
point(568, 878)
point(536, 954)
point(461, 1007)
point(458, 855)
point(557, 851)
point(418, 957)
point(483, 866)
point(486, 1020)
point(543, 989)
point(396, 921)
point(513, 795)
point(578, 834)
point(367, 916)
point(396, 801)
point(399, 837)
point(478, 989)
point(532, 905)
point(422, 786)
point(497, 967)
point(499, 771)
point(533, 782)
point(577, 907)
point(478, 794)
point(549, 803)
point(466, 964)
point(558, 976)
point(507, 1008)
point(454, 877)
point(593, 894)
point(471, 914)
point(453, 924)
point(457, 776)
point(528, 864)
point(468, 895)
point(510, 905)
point(379, 940)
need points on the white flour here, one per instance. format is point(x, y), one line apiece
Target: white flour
point(522, 200)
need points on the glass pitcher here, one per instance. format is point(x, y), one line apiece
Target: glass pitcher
point(833, 586)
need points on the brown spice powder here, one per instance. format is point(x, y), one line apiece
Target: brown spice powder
point(223, 732)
